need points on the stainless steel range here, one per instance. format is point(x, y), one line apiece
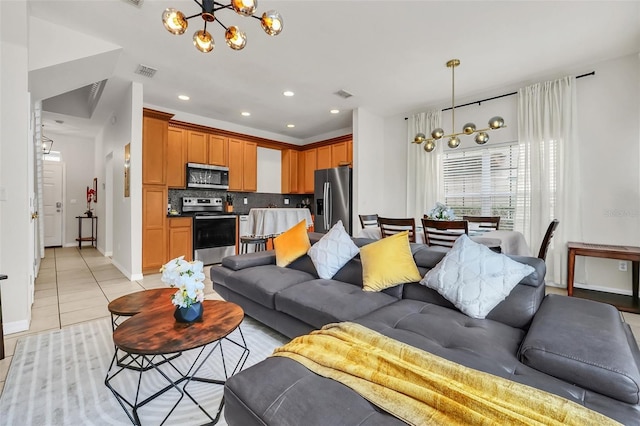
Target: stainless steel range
point(214, 232)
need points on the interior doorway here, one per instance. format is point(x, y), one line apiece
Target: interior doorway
point(52, 195)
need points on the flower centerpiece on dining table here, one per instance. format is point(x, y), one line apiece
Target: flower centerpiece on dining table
point(188, 278)
point(441, 212)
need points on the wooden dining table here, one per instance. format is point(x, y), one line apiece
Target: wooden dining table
point(511, 242)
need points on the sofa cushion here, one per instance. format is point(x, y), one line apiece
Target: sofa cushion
point(388, 262)
point(292, 244)
point(474, 278)
point(586, 343)
point(261, 283)
point(320, 302)
point(333, 251)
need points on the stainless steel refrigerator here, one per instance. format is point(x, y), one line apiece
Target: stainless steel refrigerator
point(332, 195)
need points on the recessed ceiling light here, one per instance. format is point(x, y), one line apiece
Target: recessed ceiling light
point(334, 111)
point(245, 113)
point(183, 97)
point(288, 93)
point(291, 125)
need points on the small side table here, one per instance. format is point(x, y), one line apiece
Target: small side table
point(2, 277)
point(93, 239)
point(631, 253)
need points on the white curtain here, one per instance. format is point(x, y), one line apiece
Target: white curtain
point(548, 169)
point(423, 171)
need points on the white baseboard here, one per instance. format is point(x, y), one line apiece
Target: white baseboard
point(583, 286)
point(15, 327)
point(126, 272)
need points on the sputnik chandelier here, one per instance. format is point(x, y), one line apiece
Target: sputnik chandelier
point(176, 23)
point(468, 129)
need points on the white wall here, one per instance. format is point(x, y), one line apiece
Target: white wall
point(127, 211)
point(369, 171)
point(77, 154)
point(609, 131)
point(269, 170)
point(15, 258)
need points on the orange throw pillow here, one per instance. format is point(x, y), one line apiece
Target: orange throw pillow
point(292, 244)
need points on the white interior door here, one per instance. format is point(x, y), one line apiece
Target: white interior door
point(52, 200)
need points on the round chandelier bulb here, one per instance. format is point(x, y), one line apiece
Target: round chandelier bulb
point(469, 128)
point(482, 138)
point(202, 41)
point(437, 133)
point(271, 22)
point(244, 7)
point(174, 21)
point(496, 122)
point(453, 142)
point(236, 39)
point(429, 146)
point(420, 137)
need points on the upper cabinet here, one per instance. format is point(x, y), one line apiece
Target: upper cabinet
point(243, 165)
point(289, 171)
point(176, 158)
point(197, 151)
point(155, 127)
point(324, 157)
point(218, 147)
point(340, 154)
point(310, 165)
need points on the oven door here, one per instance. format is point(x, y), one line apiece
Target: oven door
point(214, 238)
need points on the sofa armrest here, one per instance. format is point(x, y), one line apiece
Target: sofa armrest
point(586, 343)
point(248, 260)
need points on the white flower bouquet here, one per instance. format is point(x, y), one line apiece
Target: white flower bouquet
point(188, 277)
point(441, 212)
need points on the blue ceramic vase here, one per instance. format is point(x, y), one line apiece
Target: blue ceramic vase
point(189, 314)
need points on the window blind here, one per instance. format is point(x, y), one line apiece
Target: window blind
point(482, 182)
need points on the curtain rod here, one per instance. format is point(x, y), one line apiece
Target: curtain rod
point(502, 96)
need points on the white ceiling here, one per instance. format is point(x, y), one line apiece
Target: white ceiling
point(389, 54)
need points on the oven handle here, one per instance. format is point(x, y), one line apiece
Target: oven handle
point(216, 217)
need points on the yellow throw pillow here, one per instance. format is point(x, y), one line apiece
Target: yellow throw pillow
point(388, 262)
point(292, 244)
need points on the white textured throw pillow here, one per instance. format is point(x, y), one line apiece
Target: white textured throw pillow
point(332, 251)
point(474, 278)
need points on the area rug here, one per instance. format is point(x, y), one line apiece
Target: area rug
point(57, 378)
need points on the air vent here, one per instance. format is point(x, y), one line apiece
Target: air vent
point(136, 3)
point(146, 71)
point(343, 94)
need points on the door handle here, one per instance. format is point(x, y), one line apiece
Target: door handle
point(34, 215)
point(58, 205)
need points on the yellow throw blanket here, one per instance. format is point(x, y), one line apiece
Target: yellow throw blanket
point(421, 388)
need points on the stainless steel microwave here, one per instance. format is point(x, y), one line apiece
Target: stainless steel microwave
point(206, 176)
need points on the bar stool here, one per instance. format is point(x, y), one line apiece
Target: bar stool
point(259, 242)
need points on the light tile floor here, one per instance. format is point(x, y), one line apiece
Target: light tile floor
point(75, 286)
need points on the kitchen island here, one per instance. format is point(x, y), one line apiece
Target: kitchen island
point(274, 221)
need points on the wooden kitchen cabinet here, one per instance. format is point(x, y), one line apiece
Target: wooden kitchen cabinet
point(218, 147)
point(155, 127)
point(176, 158)
point(290, 171)
point(350, 153)
point(243, 165)
point(154, 219)
point(324, 158)
point(197, 144)
point(310, 165)
point(180, 238)
point(339, 154)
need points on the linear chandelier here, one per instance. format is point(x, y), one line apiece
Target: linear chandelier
point(482, 136)
point(176, 23)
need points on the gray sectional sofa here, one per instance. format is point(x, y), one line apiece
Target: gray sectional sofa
point(575, 348)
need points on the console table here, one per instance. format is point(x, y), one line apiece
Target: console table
point(93, 239)
point(631, 253)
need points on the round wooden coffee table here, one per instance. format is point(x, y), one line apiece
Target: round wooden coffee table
point(152, 336)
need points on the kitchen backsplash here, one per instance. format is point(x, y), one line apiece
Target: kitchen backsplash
point(254, 199)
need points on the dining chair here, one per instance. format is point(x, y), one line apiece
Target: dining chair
point(391, 226)
point(484, 222)
point(368, 220)
point(542, 254)
point(443, 232)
